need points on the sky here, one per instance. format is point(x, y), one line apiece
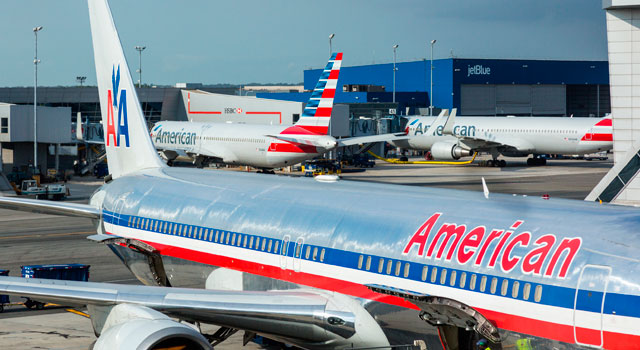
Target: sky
point(257, 41)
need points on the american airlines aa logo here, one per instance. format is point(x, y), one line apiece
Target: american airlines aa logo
point(119, 104)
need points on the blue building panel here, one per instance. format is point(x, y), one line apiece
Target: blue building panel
point(448, 76)
point(488, 71)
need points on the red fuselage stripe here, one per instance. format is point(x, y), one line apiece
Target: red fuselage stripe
point(597, 137)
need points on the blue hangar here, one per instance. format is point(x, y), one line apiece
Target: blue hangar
point(475, 86)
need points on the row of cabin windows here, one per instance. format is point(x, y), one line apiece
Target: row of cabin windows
point(543, 131)
point(216, 236)
point(391, 267)
point(462, 281)
point(231, 139)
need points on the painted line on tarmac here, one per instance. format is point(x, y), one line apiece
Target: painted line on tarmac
point(49, 235)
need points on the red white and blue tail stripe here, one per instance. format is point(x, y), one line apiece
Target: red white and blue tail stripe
point(317, 114)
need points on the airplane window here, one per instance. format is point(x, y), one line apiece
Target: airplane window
point(269, 246)
point(315, 253)
point(298, 247)
point(129, 222)
point(307, 253)
point(389, 266)
point(164, 227)
point(483, 283)
point(434, 274)
point(443, 276)
point(228, 237)
point(472, 283)
point(322, 255)
point(155, 227)
point(368, 264)
point(380, 265)
point(135, 222)
point(285, 245)
point(406, 270)
point(424, 273)
point(538, 295)
point(233, 239)
point(239, 240)
point(251, 242)
point(452, 280)
point(145, 224)
point(463, 279)
point(494, 285)
point(398, 266)
point(515, 289)
point(277, 245)
point(505, 287)
point(264, 244)
point(525, 291)
point(175, 228)
point(200, 233)
point(360, 260)
point(215, 238)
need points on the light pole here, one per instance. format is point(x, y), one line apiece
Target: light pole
point(35, 100)
point(394, 72)
point(431, 80)
point(140, 49)
point(330, 48)
point(81, 80)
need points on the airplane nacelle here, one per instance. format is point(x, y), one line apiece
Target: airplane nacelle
point(128, 326)
point(448, 151)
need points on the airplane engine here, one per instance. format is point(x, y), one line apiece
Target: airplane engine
point(137, 327)
point(448, 151)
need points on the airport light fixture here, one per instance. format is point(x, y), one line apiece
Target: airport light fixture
point(35, 100)
point(394, 72)
point(431, 80)
point(330, 48)
point(81, 80)
point(140, 49)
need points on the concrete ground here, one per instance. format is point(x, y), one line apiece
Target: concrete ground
point(27, 238)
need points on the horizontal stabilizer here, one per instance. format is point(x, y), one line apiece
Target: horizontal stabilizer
point(358, 140)
point(50, 207)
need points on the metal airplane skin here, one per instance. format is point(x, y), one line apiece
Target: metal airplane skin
point(329, 265)
point(510, 136)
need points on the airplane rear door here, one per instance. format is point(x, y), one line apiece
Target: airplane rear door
point(589, 304)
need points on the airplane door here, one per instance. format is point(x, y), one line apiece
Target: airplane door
point(589, 304)
point(588, 135)
point(297, 254)
point(284, 260)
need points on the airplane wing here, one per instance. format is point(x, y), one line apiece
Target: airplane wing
point(487, 141)
point(372, 138)
point(304, 315)
point(50, 207)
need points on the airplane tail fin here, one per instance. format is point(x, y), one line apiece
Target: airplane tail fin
point(126, 136)
point(317, 114)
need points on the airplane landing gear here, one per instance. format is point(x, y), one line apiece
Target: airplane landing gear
point(500, 163)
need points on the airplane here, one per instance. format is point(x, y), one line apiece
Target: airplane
point(331, 265)
point(454, 137)
point(262, 146)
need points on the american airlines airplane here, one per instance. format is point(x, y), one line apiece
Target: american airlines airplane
point(262, 146)
point(330, 265)
point(455, 137)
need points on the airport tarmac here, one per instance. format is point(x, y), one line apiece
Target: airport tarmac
point(27, 238)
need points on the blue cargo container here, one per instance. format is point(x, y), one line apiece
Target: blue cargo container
point(68, 272)
point(4, 299)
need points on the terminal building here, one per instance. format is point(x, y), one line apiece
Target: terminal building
point(475, 86)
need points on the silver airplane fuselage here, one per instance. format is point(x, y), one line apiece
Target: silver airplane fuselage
point(554, 281)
